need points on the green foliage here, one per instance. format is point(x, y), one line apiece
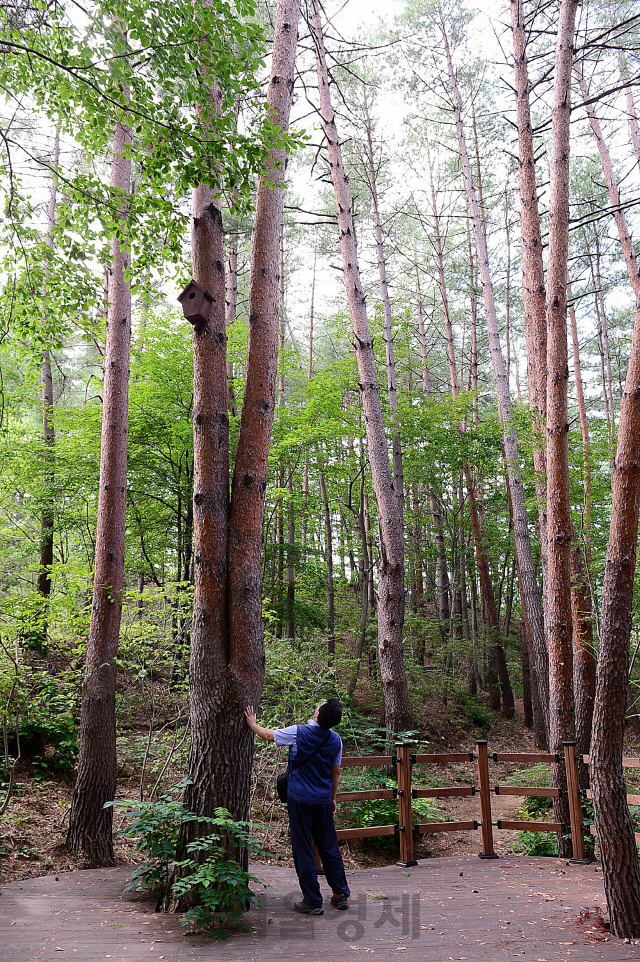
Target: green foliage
point(477, 714)
point(213, 884)
point(537, 843)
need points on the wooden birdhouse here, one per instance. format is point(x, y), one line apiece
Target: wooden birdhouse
point(196, 303)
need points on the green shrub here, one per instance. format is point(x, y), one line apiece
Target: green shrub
point(215, 885)
point(477, 714)
point(537, 843)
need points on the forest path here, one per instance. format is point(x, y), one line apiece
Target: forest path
point(443, 909)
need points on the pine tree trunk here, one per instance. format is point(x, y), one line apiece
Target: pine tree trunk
point(90, 823)
point(530, 595)
point(479, 539)
point(558, 594)
point(395, 691)
point(364, 608)
point(208, 680)
point(291, 571)
point(584, 659)
point(396, 444)
point(423, 339)
point(48, 429)
point(613, 822)
point(242, 664)
point(533, 284)
point(231, 307)
point(331, 616)
point(305, 476)
point(584, 427)
point(526, 679)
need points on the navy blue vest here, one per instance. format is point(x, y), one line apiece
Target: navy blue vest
point(312, 781)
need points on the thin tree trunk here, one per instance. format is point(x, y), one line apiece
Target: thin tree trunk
point(605, 337)
point(396, 444)
point(526, 679)
point(613, 822)
point(397, 705)
point(507, 296)
point(584, 659)
point(423, 339)
point(476, 526)
point(367, 522)
point(305, 476)
point(531, 600)
point(90, 823)
point(473, 351)
point(231, 307)
point(558, 594)
point(291, 571)
point(584, 426)
point(364, 607)
point(331, 616)
point(417, 543)
point(48, 429)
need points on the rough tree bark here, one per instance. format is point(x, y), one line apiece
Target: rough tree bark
point(90, 823)
point(397, 706)
point(613, 822)
point(396, 442)
point(560, 529)
point(530, 594)
point(241, 665)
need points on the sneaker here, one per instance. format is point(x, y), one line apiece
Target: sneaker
point(340, 902)
point(305, 909)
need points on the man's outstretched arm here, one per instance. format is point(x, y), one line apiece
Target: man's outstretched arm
point(266, 733)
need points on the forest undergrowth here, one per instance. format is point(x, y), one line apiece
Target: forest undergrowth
point(153, 739)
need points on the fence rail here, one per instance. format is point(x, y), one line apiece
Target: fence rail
point(407, 829)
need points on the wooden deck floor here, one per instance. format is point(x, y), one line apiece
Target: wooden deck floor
point(458, 909)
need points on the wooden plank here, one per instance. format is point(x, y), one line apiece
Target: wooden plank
point(527, 792)
point(631, 799)
point(361, 761)
point(374, 831)
point(363, 796)
point(626, 762)
point(592, 831)
point(443, 792)
point(529, 826)
point(431, 828)
point(531, 758)
point(444, 759)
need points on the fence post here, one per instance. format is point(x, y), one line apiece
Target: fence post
point(485, 800)
point(575, 805)
point(405, 810)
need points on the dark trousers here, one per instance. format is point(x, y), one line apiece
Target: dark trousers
point(314, 820)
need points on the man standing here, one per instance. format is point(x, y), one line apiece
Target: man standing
point(315, 754)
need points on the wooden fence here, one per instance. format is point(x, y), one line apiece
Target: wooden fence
point(406, 829)
point(631, 799)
